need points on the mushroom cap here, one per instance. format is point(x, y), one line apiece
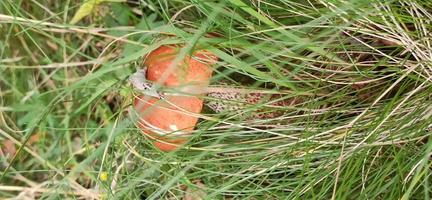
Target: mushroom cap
point(189, 70)
point(169, 121)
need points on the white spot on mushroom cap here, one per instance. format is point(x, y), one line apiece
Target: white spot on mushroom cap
point(173, 127)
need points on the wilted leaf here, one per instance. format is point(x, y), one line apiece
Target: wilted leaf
point(87, 8)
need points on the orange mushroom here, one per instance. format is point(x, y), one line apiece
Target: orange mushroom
point(171, 120)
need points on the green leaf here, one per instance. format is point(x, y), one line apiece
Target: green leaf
point(122, 14)
point(100, 89)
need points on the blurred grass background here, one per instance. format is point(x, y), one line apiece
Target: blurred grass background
point(360, 126)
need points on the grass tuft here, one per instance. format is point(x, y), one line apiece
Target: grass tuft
point(357, 74)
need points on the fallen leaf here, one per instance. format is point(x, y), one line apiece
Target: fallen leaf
point(195, 193)
point(34, 138)
point(8, 147)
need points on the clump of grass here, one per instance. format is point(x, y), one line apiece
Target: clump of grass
point(360, 127)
